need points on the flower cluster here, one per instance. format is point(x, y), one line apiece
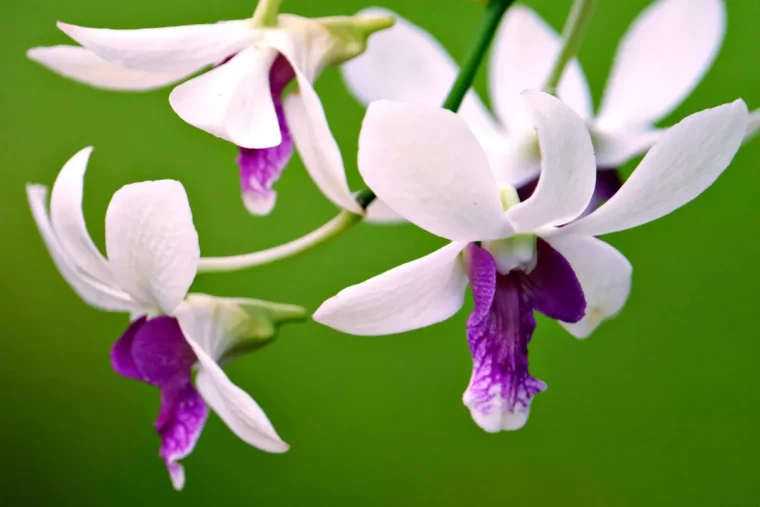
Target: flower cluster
point(522, 197)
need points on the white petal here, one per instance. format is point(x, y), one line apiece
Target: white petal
point(152, 244)
point(414, 295)
point(425, 163)
point(68, 220)
point(233, 101)
point(614, 149)
point(664, 55)
point(754, 125)
point(523, 54)
point(204, 329)
point(83, 65)
point(171, 49)
point(316, 145)
point(92, 291)
point(604, 274)
point(683, 164)
point(378, 212)
point(568, 167)
point(406, 63)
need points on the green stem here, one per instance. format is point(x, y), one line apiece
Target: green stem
point(345, 220)
point(572, 37)
point(334, 227)
point(463, 83)
point(266, 13)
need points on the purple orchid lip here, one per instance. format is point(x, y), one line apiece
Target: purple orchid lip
point(260, 169)
point(501, 326)
point(155, 352)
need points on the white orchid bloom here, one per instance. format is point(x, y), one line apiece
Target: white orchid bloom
point(428, 166)
point(153, 255)
point(240, 98)
point(666, 52)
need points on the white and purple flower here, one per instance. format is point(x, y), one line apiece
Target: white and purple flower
point(668, 49)
point(428, 166)
point(153, 255)
point(241, 98)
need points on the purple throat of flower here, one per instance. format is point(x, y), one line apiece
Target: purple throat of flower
point(261, 168)
point(155, 352)
point(608, 182)
point(501, 326)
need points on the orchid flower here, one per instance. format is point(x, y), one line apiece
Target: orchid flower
point(240, 98)
point(427, 165)
point(664, 55)
point(152, 259)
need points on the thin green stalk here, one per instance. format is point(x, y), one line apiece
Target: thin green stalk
point(346, 220)
point(572, 37)
point(342, 222)
point(266, 12)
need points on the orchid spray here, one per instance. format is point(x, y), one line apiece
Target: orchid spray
point(521, 203)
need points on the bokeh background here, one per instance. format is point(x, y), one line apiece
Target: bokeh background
point(659, 407)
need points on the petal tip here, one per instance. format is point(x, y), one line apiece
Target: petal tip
point(497, 421)
point(66, 28)
point(36, 191)
point(260, 205)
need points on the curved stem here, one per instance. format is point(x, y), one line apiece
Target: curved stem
point(345, 220)
point(572, 36)
point(340, 223)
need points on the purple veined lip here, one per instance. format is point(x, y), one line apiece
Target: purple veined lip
point(261, 168)
point(608, 182)
point(501, 326)
point(155, 352)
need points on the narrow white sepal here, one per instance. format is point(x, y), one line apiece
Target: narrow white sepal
point(86, 67)
point(684, 163)
point(414, 295)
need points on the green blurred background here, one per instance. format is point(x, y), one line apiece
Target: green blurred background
point(659, 407)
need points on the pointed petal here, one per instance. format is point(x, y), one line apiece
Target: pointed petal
point(152, 244)
point(171, 49)
point(407, 64)
point(683, 164)
point(614, 149)
point(68, 220)
point(753, 126)
point(552, 286)
point(666, 52)
point(604, 274)
point(499, 329)
point(205, 333)
point(83, 65)
point(523, 54)
point(425, 163)
point(233, 101)
point(414, 295)
point(316, 145)
point(568, 167)
point(92, 291)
